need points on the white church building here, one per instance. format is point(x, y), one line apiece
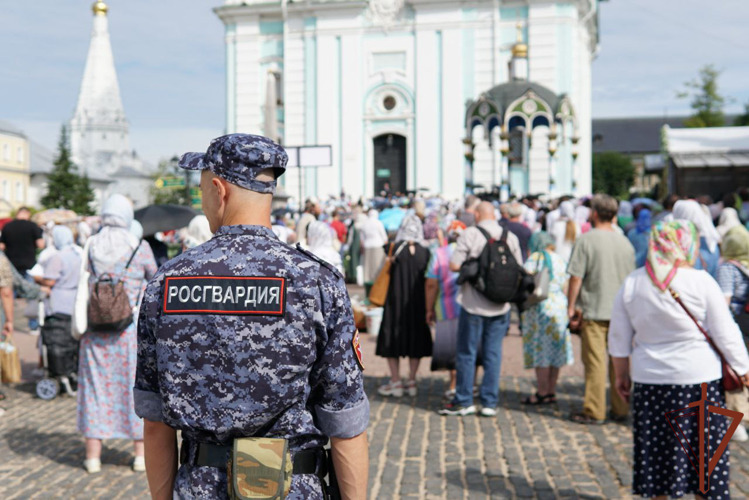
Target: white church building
point(99, 131)
point(418, 94)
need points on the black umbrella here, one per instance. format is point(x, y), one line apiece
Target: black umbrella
point(159, 218)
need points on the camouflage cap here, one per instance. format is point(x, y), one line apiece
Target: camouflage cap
point(238, 158)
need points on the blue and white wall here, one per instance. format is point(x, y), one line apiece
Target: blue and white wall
point(338, 66)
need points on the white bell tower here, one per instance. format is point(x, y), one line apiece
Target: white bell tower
point(99, 137)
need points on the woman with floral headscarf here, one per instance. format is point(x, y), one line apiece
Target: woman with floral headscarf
point(546, 340)
point(671, 360)
point(106, 372)
point(404, 331)
point(733, 278)
point(708, 257)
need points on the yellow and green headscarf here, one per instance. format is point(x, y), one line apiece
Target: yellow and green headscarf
point(735, 245)
point(671, 244)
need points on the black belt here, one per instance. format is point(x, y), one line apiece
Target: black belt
point(213, 455)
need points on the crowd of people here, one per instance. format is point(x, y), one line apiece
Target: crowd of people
point(100, 368)
point(610, 266)
point(609, 269)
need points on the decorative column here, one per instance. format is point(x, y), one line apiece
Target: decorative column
point(552, 153)
point(504, 165)
point(575, 140)
point(468, 154)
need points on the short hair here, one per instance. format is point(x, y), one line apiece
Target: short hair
point(23, 209)
point(472, 201)
point(605, 206)
point(515, 209)
point(670, 201)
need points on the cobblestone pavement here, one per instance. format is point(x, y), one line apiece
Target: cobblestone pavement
point(523, 452)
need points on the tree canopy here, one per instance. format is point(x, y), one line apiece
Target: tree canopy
point(743, 119)
point(613, 174)
point(707, 102)
point(65, 187)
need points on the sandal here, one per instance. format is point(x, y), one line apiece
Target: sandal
point(584, 418)
point(540, 400)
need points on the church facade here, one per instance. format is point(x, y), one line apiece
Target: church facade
point(395, 87)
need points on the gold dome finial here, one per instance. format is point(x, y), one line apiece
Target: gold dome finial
point(100, 7)
point(520, 49)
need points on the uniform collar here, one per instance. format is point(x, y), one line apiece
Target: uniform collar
point(244, 230)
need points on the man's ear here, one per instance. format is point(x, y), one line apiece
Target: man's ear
point(221, 189)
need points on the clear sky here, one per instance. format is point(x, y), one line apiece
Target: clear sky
point(170, 62)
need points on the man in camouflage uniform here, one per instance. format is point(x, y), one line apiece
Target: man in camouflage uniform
point(245, 336)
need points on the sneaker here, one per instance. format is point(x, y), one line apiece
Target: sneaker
point(740, 434)
point(92, 465)
point(488, 412)
point(410, 387)
point(392, 388)
point(453, 409)
point(139, 464)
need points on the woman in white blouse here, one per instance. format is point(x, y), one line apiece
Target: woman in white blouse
point(671, 359)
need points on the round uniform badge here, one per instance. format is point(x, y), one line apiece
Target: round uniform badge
point(357, 349)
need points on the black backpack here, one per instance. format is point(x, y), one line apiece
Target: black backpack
point(500, 278)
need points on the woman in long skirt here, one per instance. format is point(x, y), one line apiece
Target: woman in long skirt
point(107, 364)
point(404, 331)
point(546, 340)
point(673, 365)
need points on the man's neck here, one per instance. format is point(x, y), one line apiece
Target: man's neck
point(605, 226)
point(243, 217)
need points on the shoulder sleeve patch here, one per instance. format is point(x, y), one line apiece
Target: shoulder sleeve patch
point(357, 350)
point(317, 259)
point(245, 295)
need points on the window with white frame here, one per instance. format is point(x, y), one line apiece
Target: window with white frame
point(20, 192)
point(19, 154)
point(6, 190)
point(6, 152)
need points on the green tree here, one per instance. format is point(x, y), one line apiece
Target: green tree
point(65, 188)
point(707, 102)
point(170, 195)
point(613, 174)
point(743, 119)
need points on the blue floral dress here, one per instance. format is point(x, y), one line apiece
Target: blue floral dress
point(546, 339)
point(106, 371)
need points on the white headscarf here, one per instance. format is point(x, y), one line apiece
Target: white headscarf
point(62, 237)
point(114, 240)
point(411, 230)
point(692, 211)
point(320, 243)
point(198, 232)
point(729, 219)
point(136, 229)
point(567, 210)
point(582, 213)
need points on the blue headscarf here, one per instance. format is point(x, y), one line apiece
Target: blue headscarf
point(644, 221)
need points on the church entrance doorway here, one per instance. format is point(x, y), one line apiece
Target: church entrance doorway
point(390, 164)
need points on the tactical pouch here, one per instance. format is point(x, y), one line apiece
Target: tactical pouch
point(259, 468)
